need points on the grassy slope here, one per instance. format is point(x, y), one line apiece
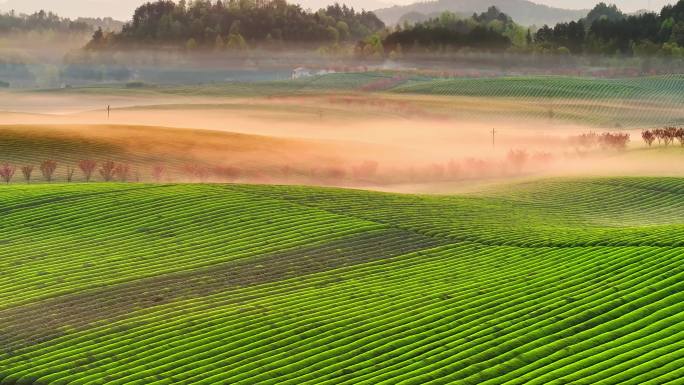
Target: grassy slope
point(630, 102)
point(552, 282)
point(143, 147)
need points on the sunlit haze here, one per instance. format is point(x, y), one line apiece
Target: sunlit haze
point(122, 9)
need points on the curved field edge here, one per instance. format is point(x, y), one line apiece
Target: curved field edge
point(618, 103)
point(562, 280)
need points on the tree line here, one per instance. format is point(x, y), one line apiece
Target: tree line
point(108, 170)
point(605, 140)
point(12, 22)
point(607, 30)
point(240, 24)
point(665, 135)
point(492, 30)
point(236, 24)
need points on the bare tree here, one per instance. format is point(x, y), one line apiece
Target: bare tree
point(669, 135)
point(122, 172)
point(616, 141)
point(648, 136)
point(70, 170)
point(7, 172)
point(680, 136)
point(87, 167)
point(27, 171)
point(48, 168)
point(659, 134)
point(107, 170)
point(158, 172)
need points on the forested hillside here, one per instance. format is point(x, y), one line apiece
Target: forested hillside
point(522, 11)
point(490, 30)
point(607, 30)
point(12, 22)
point(237, 25)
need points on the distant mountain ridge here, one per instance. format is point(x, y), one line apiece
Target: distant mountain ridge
point(118, 10)
point(522, 11)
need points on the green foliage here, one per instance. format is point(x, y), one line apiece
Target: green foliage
point(491, 30)
point(606, 30)
point(191, 44)
point(605, 12)
point(92, 64)
point(563, 280)
point(343, 30)
point(237, 22)
point(236, 42)
point(371, 47)
point(40, 21)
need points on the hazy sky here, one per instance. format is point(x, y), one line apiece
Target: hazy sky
point(122, 9)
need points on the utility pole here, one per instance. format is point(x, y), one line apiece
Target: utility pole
point(493, 136)
point(108, 110)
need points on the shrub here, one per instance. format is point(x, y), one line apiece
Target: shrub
point(587, 140)
point(616, 141)
point(605, 140)
point(135, 85)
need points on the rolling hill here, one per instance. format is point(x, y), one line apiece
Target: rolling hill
point(522, 11)
point(555, 281)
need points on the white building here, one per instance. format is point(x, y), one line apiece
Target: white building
point(301, 72)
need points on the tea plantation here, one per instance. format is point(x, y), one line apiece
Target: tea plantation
point(546, 282)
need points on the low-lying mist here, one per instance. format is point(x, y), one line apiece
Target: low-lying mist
point(325, 142)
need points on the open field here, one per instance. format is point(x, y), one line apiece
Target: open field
point(625, 102)
point(439, 252)
point(551, 281)
point(418, 134)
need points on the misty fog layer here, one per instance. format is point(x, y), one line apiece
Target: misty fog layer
point(404, 143)
point(122, 9)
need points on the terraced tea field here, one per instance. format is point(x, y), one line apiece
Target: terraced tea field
point(625, 102)
point(554, 281)
point(633, 102)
